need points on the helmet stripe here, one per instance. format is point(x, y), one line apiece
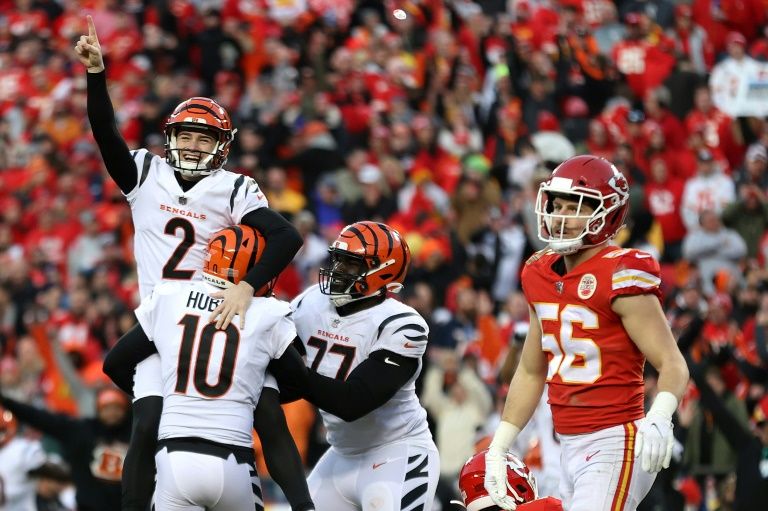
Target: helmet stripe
point(373, 234)
point(359, 235)
point(390, 241)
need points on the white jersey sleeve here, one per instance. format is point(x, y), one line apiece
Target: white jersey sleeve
point(283, 331)
point(146, 311)
point(142, 158)
point(246, 197)
point(404, 333)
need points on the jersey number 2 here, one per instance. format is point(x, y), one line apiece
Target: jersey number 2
point(575, 359)
point(170, 270)
point(203, 357)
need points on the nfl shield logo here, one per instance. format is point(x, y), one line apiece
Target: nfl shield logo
point(559, 287)
point(335, 322)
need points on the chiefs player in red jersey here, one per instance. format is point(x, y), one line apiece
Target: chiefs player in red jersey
point(595, 317)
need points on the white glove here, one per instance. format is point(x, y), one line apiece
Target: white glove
point(496, 479)
point(654, 435)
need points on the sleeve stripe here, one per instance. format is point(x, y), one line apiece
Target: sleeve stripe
point(411, 326)
point(238, 184)
point(418, 338)
point(641, 276)
point(145, 168)
point(391, 319)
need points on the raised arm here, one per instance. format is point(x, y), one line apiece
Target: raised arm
point(114, 151)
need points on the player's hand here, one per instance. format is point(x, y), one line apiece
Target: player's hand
point(236, 301)
point(88, 50)
point(654, 442)
point(496, 479)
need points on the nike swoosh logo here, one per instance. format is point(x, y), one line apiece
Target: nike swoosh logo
point(409, 345)
point(589, 456)
point(642, 256)
point(377, 465)
point(392, 363)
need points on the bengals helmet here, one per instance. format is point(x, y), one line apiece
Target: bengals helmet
point(588, 180)
point(367, 258)
point(231, 253)
point(199, 114)
point(521, 485)
point(8, 426)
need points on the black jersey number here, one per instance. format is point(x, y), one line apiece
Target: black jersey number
point(347, 354)
point(201, 361)
point(170, 270)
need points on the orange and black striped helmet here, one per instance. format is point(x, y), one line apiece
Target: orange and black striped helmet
point(367, 258)
point(232, 252)
point(199, 114)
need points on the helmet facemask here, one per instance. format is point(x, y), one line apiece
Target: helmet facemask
point(551, 226)
point(208, 162)
point(345, 286)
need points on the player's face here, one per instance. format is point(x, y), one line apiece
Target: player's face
point(571, 218)
point(193, 144)
point(347, 266)
point(111, 414)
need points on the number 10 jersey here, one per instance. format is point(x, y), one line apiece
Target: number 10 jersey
point(595, 370)
point(173, 227)
point(212, 379)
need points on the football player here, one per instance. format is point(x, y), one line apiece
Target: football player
point(17, 457)
point(177, 203)
point(364, 351)
point(213, 379)
point(595, 316)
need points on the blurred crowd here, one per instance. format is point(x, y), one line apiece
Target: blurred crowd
point(440, 117)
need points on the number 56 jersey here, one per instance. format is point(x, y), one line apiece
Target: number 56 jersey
point(336, 344)
point(595, 370)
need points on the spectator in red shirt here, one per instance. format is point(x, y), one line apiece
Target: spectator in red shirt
point(691, 41)
point(663, 196)
point(716, 125)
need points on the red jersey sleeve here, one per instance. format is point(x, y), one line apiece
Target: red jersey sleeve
point(543, 504)
point(636, 273)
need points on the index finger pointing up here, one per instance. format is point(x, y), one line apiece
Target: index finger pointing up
point(92, 30)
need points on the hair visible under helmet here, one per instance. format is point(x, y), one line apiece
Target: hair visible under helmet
point(200, 115)
point(588, 180)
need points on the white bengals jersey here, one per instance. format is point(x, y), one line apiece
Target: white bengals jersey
point(17, 489)
point(337, 344)
point(212, 379)
point(173, 226)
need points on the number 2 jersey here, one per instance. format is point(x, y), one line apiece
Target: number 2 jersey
point(173, 226)
point(337, 344)
point(595, 370)
point(212, 379)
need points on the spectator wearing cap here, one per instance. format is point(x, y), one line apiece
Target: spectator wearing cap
point(375, 204)
point(749, 217)
point(691, 42)
point(732, 70)
point(644, 65)
point(476, 193)
point(754, 171)
point(551, 145)
point(94, 447)
point(714, 248)
point(53, 479)
point(709, 190)
point(661, 11)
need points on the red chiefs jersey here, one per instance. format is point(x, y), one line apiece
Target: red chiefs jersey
point(542, 504)
point(595, 371)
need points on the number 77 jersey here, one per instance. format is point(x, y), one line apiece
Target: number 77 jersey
point(595, 370)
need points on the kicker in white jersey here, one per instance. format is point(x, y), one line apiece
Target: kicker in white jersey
point(212, 379)
point(173, 226)
point(336, 344)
